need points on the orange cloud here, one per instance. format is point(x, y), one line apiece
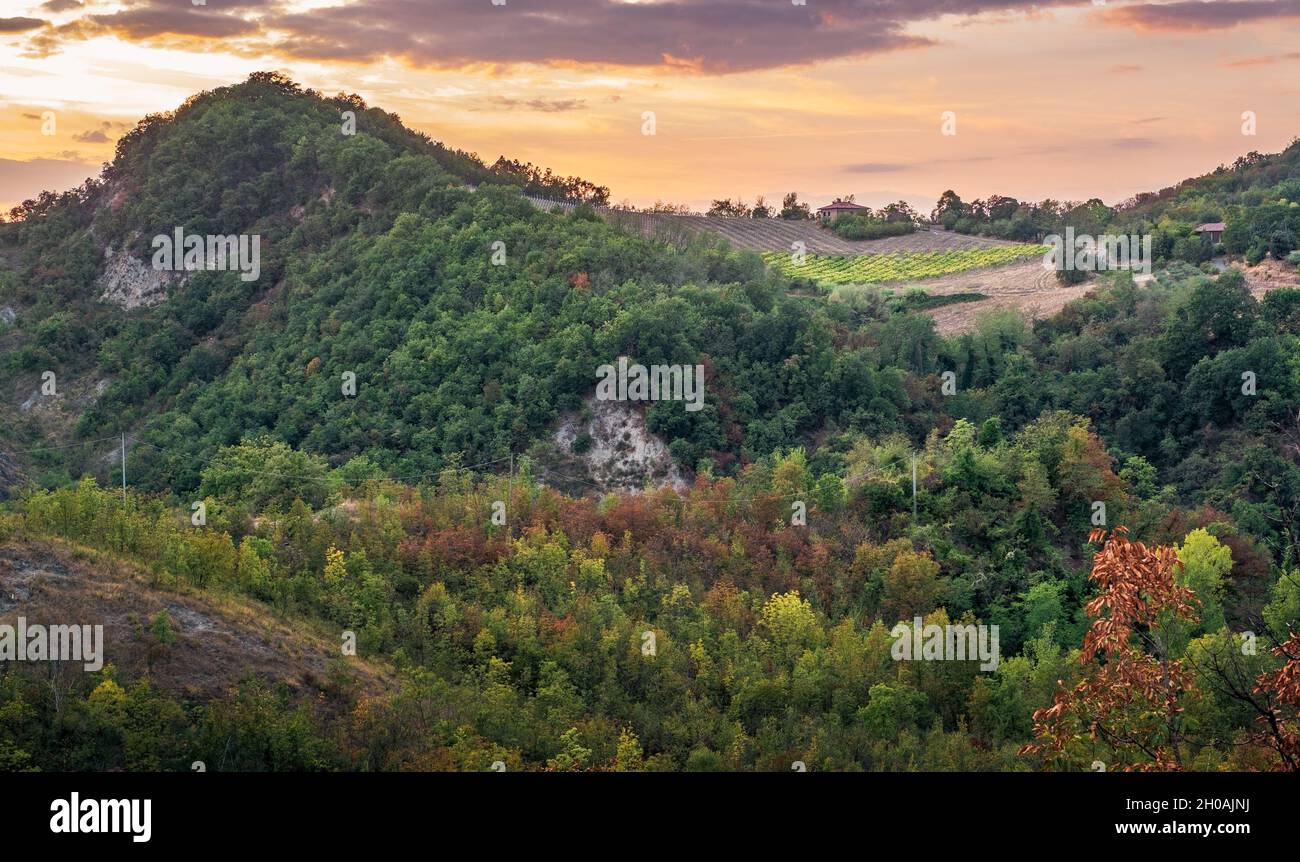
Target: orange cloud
point(1195, 15)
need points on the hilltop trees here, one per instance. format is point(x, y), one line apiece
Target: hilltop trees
point(1258, 199)
point(542, 182)
point(792, 209)
point(727, 208)
point(949, 208)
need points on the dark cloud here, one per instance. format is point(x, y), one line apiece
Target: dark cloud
point(171, 19)
point(20, 25)
point(1198, 15)
point(51, 39)
point(61, 5)
point(712, 36)
point(93, 137)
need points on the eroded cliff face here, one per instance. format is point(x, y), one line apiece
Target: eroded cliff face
point(132, 283)
point(618, 452)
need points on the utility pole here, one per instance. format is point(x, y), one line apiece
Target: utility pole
point(913, 489)
point(123, 468)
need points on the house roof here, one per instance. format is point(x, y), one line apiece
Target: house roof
point(1211, 227)
point(842, 205)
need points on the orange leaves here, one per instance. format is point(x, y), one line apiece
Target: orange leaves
point(1130, 699)
point(1283, 733)
point(1137, 585)
point(1285, 681)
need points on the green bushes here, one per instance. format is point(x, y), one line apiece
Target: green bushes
point(864, 227)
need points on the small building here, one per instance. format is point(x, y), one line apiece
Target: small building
point(1213, 231)
point(837, 208)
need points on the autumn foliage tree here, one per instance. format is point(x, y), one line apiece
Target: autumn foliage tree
point(1129, 699)
point(1282, 722)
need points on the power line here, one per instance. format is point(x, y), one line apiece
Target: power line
point(60, 446)
point(207, 462)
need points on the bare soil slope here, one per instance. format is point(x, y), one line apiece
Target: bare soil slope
point(1034, 291)
point(1269, 275)
point(220, 640)
point(1026, 287)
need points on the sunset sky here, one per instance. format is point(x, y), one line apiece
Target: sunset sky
point(1059, 98)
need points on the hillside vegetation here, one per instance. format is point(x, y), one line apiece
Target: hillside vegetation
point(423, 515)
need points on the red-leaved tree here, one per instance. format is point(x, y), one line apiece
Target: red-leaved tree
point(1129, 696)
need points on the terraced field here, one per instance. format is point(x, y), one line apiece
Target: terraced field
point(898, 266)
point(777, 235)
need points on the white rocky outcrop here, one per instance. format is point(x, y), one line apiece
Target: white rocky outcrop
point(130, 282)
point(624, 455)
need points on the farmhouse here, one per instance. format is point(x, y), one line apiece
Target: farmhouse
point(837, 208)
point(1213, 231)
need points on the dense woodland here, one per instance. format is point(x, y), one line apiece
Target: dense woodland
point(522, 642)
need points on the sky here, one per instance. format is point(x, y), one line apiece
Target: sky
point(881, 99)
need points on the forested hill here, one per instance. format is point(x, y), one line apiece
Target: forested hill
point(375, 261)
